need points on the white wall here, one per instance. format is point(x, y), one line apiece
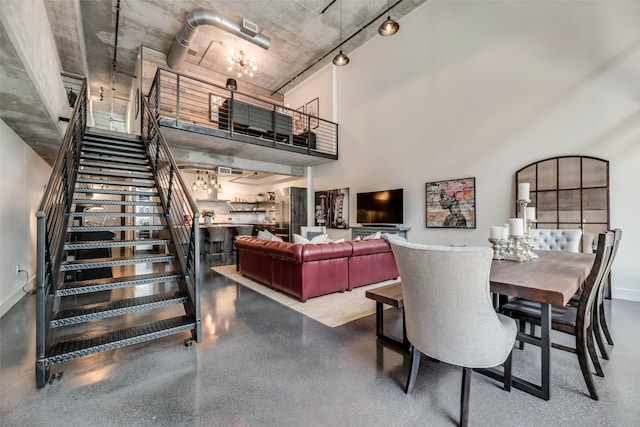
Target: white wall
point(23, 175)
point(480, 89)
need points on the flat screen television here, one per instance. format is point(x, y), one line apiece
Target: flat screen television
point(380, 207)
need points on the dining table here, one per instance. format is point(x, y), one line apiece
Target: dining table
point(551, 279)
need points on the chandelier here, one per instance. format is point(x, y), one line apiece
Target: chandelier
point(241, 64)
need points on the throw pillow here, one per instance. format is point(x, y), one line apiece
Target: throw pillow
point(276, 238)
point(299, 239)
point(337, 241)
point(264, 235)
point(375, 235)
point(312, 234)
point(393, 236)
point(322, 238)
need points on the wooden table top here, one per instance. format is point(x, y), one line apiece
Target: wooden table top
point(387, 294)
point(552, 278)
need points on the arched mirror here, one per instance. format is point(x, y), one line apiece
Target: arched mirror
point(569, 192)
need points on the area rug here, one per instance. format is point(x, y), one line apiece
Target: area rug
point(332, 310)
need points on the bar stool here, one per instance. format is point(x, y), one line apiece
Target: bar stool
point(215, 239)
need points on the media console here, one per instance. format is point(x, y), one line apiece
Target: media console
point(365, 230)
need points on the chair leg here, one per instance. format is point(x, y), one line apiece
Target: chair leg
point(413, 369)
point(507, 373)
point(592, 352)
point(603, 323)
point(464, 399)
point(521, 325)
point(595, 324)
point(581, 350)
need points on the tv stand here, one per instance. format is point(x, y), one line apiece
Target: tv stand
point(365, 230)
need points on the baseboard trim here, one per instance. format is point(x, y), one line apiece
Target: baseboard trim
point(625, 294)
point(11, 301)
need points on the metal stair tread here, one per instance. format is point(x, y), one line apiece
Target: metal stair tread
point(82, 189)
point(117, 158)
point(102, 310)
point(121, 145)
point(83, 228)
point(147, 176)
point(85, 264)
point(105, 284)
point(115, 202)
point(114, 182)
point(94, 244)
point(115, 214)
point(70, 349)
point(107, 165)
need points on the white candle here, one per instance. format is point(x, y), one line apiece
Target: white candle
point(516, 227)
point(505, 232)
point(496, 232)
point(523, 191)
point(530, 213)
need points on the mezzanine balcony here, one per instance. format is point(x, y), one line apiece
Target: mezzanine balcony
point(198, 115)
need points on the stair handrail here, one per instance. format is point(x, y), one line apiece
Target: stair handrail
point(180, 209)
point(53, 219)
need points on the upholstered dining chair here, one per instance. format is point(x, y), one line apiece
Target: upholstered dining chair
point(576, 321)
point(448, 312)
point(556, 240)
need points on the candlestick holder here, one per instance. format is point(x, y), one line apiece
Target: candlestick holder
point(528, 243)
point(516, 251)
point(499, 248)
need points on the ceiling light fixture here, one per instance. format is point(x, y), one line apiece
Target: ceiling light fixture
point(240, 64)
point(341, 59)
point(388, 27)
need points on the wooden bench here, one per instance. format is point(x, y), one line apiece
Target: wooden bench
point(390, 295)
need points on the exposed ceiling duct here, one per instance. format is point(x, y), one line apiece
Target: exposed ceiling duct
point(195, 19)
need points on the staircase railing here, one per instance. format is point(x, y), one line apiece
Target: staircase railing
point(181, 211)
point(53, 219)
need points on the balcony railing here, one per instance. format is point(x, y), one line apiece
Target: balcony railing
point(185, 99)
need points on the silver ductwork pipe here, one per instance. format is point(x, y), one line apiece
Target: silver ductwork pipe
point(195, 19)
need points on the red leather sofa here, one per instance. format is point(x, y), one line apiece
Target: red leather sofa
point(307, 271)
point(371, 261)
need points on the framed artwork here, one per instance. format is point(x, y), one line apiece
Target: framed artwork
point(313, 107)
point(215, 102)
point(451, 203)
point(299, 121)
point(332, 208)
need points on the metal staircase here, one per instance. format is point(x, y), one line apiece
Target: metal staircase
point(109, 197)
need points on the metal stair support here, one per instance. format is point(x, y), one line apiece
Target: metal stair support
point(81, 306)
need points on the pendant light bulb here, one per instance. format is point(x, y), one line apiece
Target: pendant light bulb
point(388, 27)
point(341, 59)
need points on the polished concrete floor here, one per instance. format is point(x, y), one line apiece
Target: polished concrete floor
point(262, 364)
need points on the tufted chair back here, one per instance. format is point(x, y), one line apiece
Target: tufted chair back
point(567, 240)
